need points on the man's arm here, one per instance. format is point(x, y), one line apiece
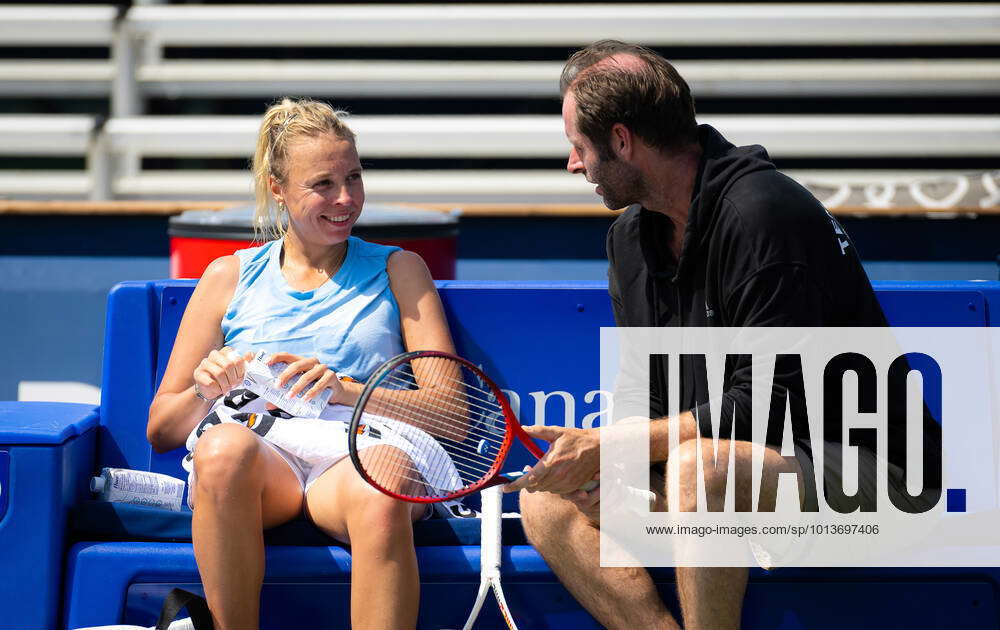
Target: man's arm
point(779, 295)
point(573, 458)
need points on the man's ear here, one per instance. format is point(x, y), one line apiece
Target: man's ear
point(622, 140)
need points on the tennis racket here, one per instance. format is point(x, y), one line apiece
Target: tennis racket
point(430, 426)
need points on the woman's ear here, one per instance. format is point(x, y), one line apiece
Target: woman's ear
point(275, 189)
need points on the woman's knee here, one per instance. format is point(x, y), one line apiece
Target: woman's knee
point(392, 469)
point(382, 521)
point(227, 455)
point(386, 511)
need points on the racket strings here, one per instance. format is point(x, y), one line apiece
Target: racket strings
point(467, 460)
point(441, 424)
point(450, 415)
point(469, 463)
point(458, 409)
point(464, 401)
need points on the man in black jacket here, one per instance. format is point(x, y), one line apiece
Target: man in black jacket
point(714, 236)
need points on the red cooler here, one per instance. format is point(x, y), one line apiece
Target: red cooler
point(197, 237)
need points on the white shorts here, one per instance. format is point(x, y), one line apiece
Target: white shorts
point(310, 446)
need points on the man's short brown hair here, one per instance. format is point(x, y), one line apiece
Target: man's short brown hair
point(649, 98)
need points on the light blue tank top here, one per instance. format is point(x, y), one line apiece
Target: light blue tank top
point(350, 323)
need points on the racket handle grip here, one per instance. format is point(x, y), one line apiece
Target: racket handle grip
point(491, 525)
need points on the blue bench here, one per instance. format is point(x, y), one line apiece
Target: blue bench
point(73, 562)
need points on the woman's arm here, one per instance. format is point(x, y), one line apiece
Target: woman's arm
point(197, 355)
point(421, 315)
point(424, 327)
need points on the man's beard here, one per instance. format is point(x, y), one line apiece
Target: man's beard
point(620, 185)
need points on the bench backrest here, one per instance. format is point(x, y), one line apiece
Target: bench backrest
point(540, 341)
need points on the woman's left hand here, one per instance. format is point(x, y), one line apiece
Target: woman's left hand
point(318, 375)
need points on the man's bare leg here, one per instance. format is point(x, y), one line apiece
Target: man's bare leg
point(618, 597)
point(712, 598)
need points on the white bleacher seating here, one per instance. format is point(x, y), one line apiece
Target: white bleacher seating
point(55, 78)
point(56, 25)
point(149, 28)
point(532, 136)
point(538, 187)
point(53, 135)
point(554, 25)
point(138, 70)
point(535, 136)
point(562, 25)
point(447, 137)
point(65, 28)
point(730, 78)
point(68, 135)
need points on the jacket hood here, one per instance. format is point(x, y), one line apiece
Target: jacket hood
point(722, 165)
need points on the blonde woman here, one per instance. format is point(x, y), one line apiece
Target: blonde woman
point(330, 305)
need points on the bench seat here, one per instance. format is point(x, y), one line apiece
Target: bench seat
point(541, 342)
point(98, 520)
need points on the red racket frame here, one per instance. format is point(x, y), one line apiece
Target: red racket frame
point(492, 477)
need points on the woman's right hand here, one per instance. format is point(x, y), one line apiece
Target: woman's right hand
point(314, 377)
point(220, 372)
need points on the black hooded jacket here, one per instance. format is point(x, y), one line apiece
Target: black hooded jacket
point(758, 250)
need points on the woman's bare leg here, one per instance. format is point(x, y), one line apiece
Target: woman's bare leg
point(242, 487)
point(385, 585)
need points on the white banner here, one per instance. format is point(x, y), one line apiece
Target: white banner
point(858, 395)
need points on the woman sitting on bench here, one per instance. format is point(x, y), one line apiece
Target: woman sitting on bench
point(331, 306)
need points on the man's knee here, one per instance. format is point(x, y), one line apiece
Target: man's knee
point(546, 516)
point(689, 454)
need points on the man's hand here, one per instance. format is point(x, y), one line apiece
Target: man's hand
point(588, 501)
point(573, 459)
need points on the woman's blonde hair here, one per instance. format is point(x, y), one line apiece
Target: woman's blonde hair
point(285, 122)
